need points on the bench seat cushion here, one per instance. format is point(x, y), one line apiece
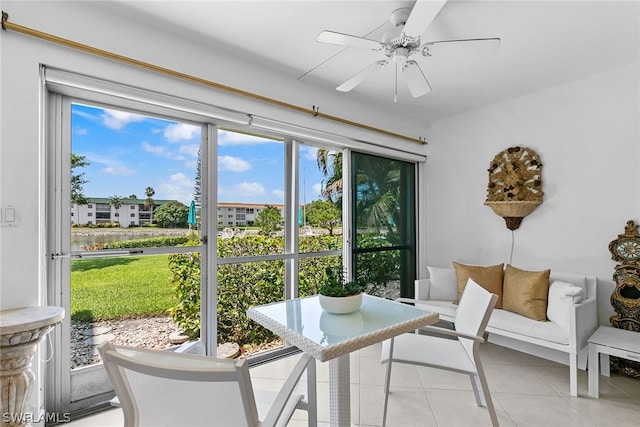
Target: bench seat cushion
point(444, 308)
point(517, 324)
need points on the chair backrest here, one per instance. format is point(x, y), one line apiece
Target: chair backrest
point(164, 388)
point(474, 310)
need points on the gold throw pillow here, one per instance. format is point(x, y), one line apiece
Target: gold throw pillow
point(526, 292)
point(489, 278)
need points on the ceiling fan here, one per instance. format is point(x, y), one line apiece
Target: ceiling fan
point(399, 45)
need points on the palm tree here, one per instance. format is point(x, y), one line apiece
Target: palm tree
point(330, 165)
point(377, 187)
point(378, 192)
point(149, 203)
point(115, 202)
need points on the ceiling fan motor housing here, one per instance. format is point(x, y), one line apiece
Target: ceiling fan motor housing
point(394, 38)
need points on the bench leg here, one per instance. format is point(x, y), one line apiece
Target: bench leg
point(573, 374)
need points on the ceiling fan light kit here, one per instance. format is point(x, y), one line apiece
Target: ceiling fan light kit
point(398, 44)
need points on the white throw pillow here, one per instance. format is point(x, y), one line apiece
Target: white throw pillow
point(443, 284)
point(562, 296)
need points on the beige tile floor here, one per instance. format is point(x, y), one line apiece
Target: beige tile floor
point(527, 391)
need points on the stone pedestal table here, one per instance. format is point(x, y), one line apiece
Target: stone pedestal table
point(21, 330)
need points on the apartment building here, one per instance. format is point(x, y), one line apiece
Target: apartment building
point(232, 214)
point(97, 210)
point(133, 212)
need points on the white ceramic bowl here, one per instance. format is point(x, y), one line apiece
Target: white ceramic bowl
point(340, 305)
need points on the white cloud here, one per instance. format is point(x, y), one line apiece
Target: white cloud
point(191, 164)
point(84, 114)
point(181, 132)
point(190, 149)
point(317, 189)
point(233, 164)
point(279, 194)
point(178, 187)
point(155, 149)
point(161, 151)
point(115, 119)
point(309, 152)
point(248, 189)
point(80, 131)
point(111, 166)
point(233, 138)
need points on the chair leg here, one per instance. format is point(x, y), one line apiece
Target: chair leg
point(485, 389)
point(477, 390)
point(387, 383)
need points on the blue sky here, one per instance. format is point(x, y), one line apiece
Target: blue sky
point(130, 152)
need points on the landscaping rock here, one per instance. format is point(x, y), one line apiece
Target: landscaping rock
point(229, 350)
point(178, 338)
point(98, 339)
point(97, 331)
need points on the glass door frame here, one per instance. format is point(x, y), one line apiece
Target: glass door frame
point(59, 390)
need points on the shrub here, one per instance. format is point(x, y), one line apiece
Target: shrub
point(186, 280)
point(150, 242)
point(243, 285)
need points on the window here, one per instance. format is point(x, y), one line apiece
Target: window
point(133, 207)
point(258, 171)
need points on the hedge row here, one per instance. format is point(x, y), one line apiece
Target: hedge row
point(243, 285)
point(149, 242)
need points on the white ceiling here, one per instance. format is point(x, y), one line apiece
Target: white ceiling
point(543, 44)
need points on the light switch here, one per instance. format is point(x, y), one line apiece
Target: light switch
point(9, 214)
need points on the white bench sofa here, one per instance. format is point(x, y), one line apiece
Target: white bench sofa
point(562, 340)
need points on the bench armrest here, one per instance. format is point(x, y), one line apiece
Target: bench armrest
point(583, 322)
point(421, 289)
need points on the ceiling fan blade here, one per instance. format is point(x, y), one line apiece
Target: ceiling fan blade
point(488, 41)
point(340, 51)
point(362, 76)
point(340, 39)
point(418, 84)
point(424, 11)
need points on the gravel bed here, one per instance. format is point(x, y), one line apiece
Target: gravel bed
point(149, 332)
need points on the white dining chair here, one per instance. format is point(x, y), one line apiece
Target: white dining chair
point(165, 388)
point(454, 350)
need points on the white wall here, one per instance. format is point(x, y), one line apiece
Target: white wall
point(587, 135)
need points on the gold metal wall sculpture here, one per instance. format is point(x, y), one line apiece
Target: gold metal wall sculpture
point(515, 184)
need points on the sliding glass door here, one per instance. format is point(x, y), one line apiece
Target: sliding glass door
point(383, 223)
point(155, 214)
point(121, 188)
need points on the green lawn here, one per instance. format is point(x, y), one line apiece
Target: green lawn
point(109, 288)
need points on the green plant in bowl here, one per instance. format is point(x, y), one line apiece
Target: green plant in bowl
point(337, 284)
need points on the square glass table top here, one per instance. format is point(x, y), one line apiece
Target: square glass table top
point(304, 324)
